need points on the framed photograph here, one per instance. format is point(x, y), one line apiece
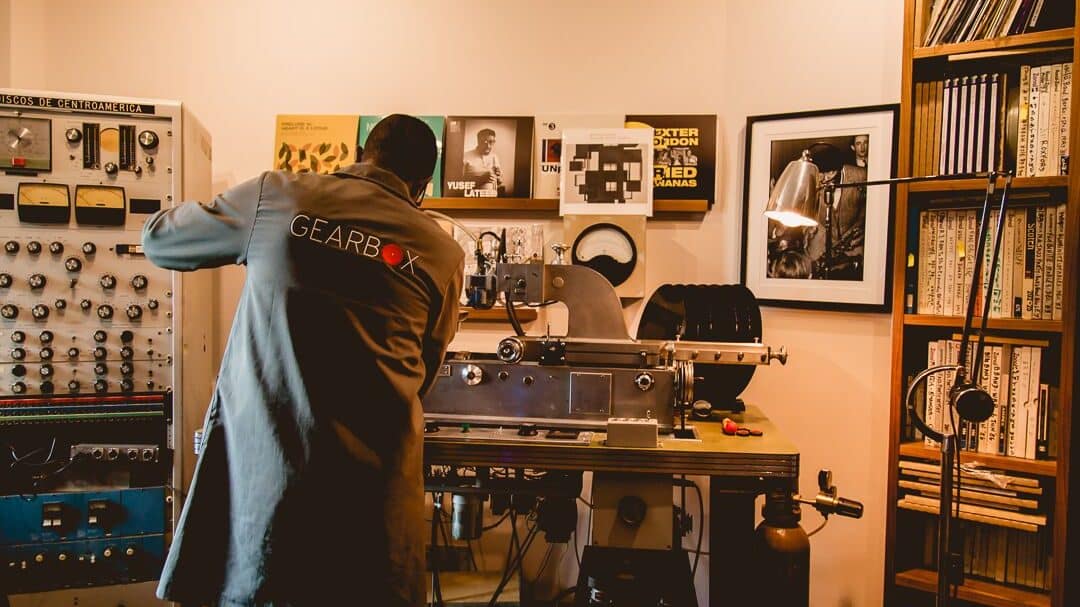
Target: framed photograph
point(840, 259)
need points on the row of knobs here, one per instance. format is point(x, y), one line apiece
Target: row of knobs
point(100, 386)
point(127, 368)
point(64, 557)
point(104, 311)
point(107, 281)
point(34, 247)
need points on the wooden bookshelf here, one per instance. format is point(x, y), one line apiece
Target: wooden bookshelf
point(498, 314)
point(979, 185)
point(1032, 40)
point(1036, 467)
point(547, 204)
point(975, 591)
point(903, 566)
point(1006, 324)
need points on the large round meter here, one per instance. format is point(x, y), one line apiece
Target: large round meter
point(608, 249)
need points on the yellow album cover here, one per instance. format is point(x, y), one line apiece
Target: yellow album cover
point(315, 143)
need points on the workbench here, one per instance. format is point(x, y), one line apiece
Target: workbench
point(739, 469)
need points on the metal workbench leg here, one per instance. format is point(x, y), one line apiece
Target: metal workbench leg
point(731, 542)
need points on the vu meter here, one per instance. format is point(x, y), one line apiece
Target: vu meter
point(27, 143)
point(613, 245)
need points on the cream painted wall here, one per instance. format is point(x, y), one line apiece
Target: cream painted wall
point(239, 63)
point(5, 42)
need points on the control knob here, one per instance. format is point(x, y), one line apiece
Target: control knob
point(127, 353)
point(9, 311)
point(85, 304)
point(18, 336)
point(5, 280)
point(46, 336)
point(127, 368)
point(126, 336)
point(11, 247)
point(100, 336)
point(89, 248)
point(101, 369)
point(73, 352)
point(152, 304)
point(134, 312)
point(40, 311)
point(148, 140)
point(60, 304)
point(644, 381)
point(111, 168)
point(510, 350)
point(105, 311)
point(138, 282)
point(73, 385)
point(100, 353)
point(73, 135)
point(127, 385)
point(46, 371)
point(472, 375)
point(108, 281)
point(72, 264)
point(45, 354)
point(37, 281)
point(47, 387)
point(18, 370)
point(18, 388)
point(18, 354)
point(101, 385)
point(33, 247)
point(56, 247)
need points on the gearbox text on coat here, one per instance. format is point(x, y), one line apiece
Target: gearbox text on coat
point(349, 239)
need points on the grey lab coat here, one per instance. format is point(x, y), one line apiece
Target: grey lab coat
point(309, 489)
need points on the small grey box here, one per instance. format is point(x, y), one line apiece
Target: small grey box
point(632, 432)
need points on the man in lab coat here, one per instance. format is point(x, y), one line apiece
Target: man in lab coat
point(309, 488)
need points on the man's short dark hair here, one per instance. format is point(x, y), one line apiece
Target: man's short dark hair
point(403, 145)
point(484, 133)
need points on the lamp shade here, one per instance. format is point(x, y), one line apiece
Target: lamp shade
point(793, 200)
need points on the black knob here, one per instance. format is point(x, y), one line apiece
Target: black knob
point(46, 371)
point(5, 280)
point(73, 135)
point(105, 311)
point(18, 370)
point(40, 311)
point(101, 369)
point(45, 354)
point(60, 304)
point(127, 353)
point(11, 247)
point(148, 140)
point(18, 388)
point(9, 311)
point(56, 247)
point(127, 385)
point(47, 387)
point(111, 168)
point(152, 304)
point(150, 161)
point(37, 281)
point(18, 354)
point(431, 427)
point(527, 430)
point(134, 312)
point(138, 171)
point(89, 248)
point(73, 352)
point(18, 337)
point(73, 385)
point(108, 281)
point(100, 353)
point(101, 385)
point(72, 264)
point(100, 336)
point(46, 336)
point(126, 336)
point(33, 247)
point(138, 282)
point(127, 368)
point(85, 304)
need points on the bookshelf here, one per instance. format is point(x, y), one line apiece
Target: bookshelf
point(908, 581)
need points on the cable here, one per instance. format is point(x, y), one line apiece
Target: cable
point(497, 523)
point(520, 332)
point(819, 527)
point(701, 528)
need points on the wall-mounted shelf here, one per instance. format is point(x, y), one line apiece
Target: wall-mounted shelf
point(547, 204)
point(1037, 467)
point(975, 591)
point(1008, 324)
point(979, 185)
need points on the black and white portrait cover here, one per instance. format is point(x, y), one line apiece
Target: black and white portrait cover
point(606, 172)
point(488, 157)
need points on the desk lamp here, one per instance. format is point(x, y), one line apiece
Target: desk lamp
point(794, 202)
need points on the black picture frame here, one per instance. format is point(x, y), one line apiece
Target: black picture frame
point(773, 140)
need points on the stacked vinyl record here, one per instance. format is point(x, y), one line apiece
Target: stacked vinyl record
point(727, 313)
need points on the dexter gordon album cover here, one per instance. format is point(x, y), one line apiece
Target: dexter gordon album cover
point(684, 155)
point(488, 157)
